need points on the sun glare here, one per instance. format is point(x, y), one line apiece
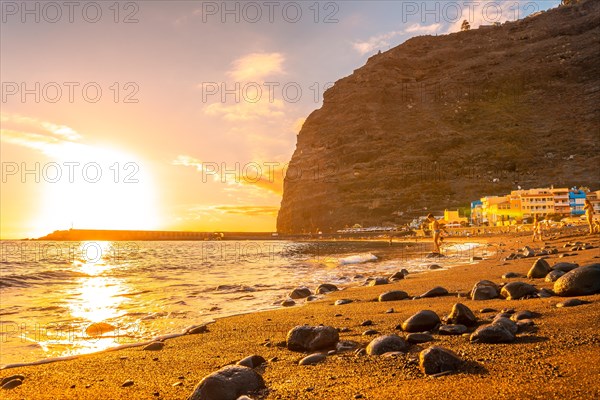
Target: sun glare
point(96, 188)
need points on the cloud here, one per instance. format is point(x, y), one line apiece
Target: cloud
point(256, 67)
point(385, 40)
point(19, 123)
point(249, 211)
point(246, 111)
point(266, 176)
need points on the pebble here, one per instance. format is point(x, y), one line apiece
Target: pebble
point(509, 311)
point(384, 344)
point(417, 338)
point(12, 377)
point(508, 324)
point(393, 295)
point(434, 267)
point(300, 293)
point(543, 293)
point(424, 320)
point(462, 315)
point(288, 303)
point(341, 302)
point(346, 345)
point(565, 266)
point(11, 384)
point(312, 338)
point(539, 269)
point(517, 290)
point(127, 383)
point(312, 298)
point(228, 383)
point(452, 329)
point(435, 360)
point(252, 361)
point(389, 311)
point(177, 384)
point(554, 275)
point(378, 281)
point(154, 346)
point(510, 275)
point(194, 330)
point(397, 275)
point(571, 303)
point(486, 310)
point(484, 290)
point(370, 332)
point(366, 323)
point(524, 324)
point(326, 288)
point(581, 281)
point(435, 292)
point(313, 359)
point(492, 334)
point(525, 314)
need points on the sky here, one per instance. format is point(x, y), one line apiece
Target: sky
point(180, 115)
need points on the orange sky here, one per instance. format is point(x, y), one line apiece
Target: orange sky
point(171, 115)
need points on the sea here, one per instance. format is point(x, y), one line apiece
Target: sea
point(62, 299)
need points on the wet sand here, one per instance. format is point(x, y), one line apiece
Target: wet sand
point(559, 359)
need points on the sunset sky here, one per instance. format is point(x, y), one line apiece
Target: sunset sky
point(120, 116)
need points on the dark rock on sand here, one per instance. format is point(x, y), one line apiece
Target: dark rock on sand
point(378, 281)
point(370, 332)
point(313, 359)
point(554, 275)
point(346, 345)
point(252, 361)
point(571, 303)
point(461, 314)
point(127, 383)
point(10, 378)
point(434, 267)
point(487, 310)
point(326, 288)
point(367, 322)
point(528, 252)
point(300, 293)
point(524, 325)
point(393, 295)
point(435, 255)
point(312, 298)
point(424, 320)
point(437, 359)
point(417, 338)
point(435, 292)
point(228, 383)
point(525, 314)
point(384, 344)
point(288, 303)
point(11, 382)
point(397, 276)
point(312, 338)
point(492, 334)
point(543, 293)
point(509, 325)
point(196, 329)
point(539, 269)
point(517, 290)
point(484, 290)
point(565, 266)
point(452, 329)
point(510, 275)
point(581, 281)
point(341, 302)
point(154, 346)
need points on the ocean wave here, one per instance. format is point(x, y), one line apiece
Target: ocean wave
point(357, 259)
point(39, 278)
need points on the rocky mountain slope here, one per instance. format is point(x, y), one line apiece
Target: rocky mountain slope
point(439, 121)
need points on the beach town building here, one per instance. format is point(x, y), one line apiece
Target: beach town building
point(594, 198)
point(476, 212)
point(561, 201)
point(535, 202)
point(501, 210)
point(453, 218)
point(577, 201)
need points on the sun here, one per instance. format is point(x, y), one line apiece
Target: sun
point(90, 187)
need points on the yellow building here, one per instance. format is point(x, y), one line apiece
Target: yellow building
point(536, 202)
point(502, 210)
point(452, 217)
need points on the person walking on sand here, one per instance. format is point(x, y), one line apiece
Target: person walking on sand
point(589, 215)
point(537, 229)
point(435, 232)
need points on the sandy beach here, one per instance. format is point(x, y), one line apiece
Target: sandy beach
point(559, 357)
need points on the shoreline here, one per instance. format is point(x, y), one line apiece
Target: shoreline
point(231, 338)
point(416, 256)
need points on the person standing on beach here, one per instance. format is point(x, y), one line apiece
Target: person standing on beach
point(537, 229)
point(589, 214)
point(435, 232)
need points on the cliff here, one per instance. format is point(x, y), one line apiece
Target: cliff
point(439, 121)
